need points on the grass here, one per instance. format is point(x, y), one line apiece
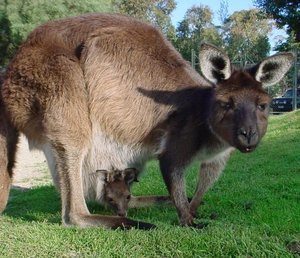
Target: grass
point(253, 211)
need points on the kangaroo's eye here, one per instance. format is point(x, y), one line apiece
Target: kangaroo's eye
point(226, 105)
point(262, 106)
point(128, 197)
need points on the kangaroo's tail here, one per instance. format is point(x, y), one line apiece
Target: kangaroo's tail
point(8, 147)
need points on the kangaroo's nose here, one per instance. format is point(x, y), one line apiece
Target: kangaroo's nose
point(247, 133)
point(248, 138)
point(243, 132)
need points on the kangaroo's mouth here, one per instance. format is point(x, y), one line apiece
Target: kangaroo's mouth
point(246, 149)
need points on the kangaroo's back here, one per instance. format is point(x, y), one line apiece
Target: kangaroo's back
point(115, 57)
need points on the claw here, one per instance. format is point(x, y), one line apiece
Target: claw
point(137, 225)
point(199, 225)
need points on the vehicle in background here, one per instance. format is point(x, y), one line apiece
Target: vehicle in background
point(285, 103)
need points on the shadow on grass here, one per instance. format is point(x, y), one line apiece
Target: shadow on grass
point(36, 204)
point(43, 204)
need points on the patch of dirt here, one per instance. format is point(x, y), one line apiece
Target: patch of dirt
point(31, 167)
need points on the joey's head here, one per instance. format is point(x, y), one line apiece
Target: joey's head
point(117, 189)
point(239, 114)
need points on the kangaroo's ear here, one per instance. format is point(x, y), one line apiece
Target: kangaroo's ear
point(272, 69)
point(130, 175)
point(214, 63)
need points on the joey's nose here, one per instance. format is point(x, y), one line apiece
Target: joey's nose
point(122, 213)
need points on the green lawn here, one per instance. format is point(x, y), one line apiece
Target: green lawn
point(252, 211)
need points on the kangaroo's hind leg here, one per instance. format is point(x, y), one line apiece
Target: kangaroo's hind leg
point(68, 132)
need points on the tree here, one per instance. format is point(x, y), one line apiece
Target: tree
point(196, 27)
point(288, 44)
point(245, 36)
point(5, 38)
point(18, 18)
point(285, 12)
point(156, 12)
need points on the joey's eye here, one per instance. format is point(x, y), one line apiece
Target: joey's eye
point(111, 200)
point(262, 106)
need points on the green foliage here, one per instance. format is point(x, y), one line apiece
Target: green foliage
point(156, 12)
point(19, 18)
point(6, 40)
point(290, 44)
point(196, 27)
point(285, 12)
point(287, 16)
point(252, 211)
point(245, 36)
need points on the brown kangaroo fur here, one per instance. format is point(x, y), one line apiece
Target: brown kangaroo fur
point(116, 194)
point(115, 190)
point(108, 91)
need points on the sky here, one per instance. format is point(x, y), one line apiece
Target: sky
point(233, 5)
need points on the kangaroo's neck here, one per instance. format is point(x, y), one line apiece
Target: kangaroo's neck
point(188, 129)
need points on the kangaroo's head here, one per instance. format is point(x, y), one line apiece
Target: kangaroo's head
point(240, 111)
point(117, 189)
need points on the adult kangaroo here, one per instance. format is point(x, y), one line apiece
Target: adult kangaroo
point(105, 91)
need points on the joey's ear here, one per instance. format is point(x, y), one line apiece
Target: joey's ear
point(272, 69)
point(103, 175)
point(130, 175)
point(214, 64)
